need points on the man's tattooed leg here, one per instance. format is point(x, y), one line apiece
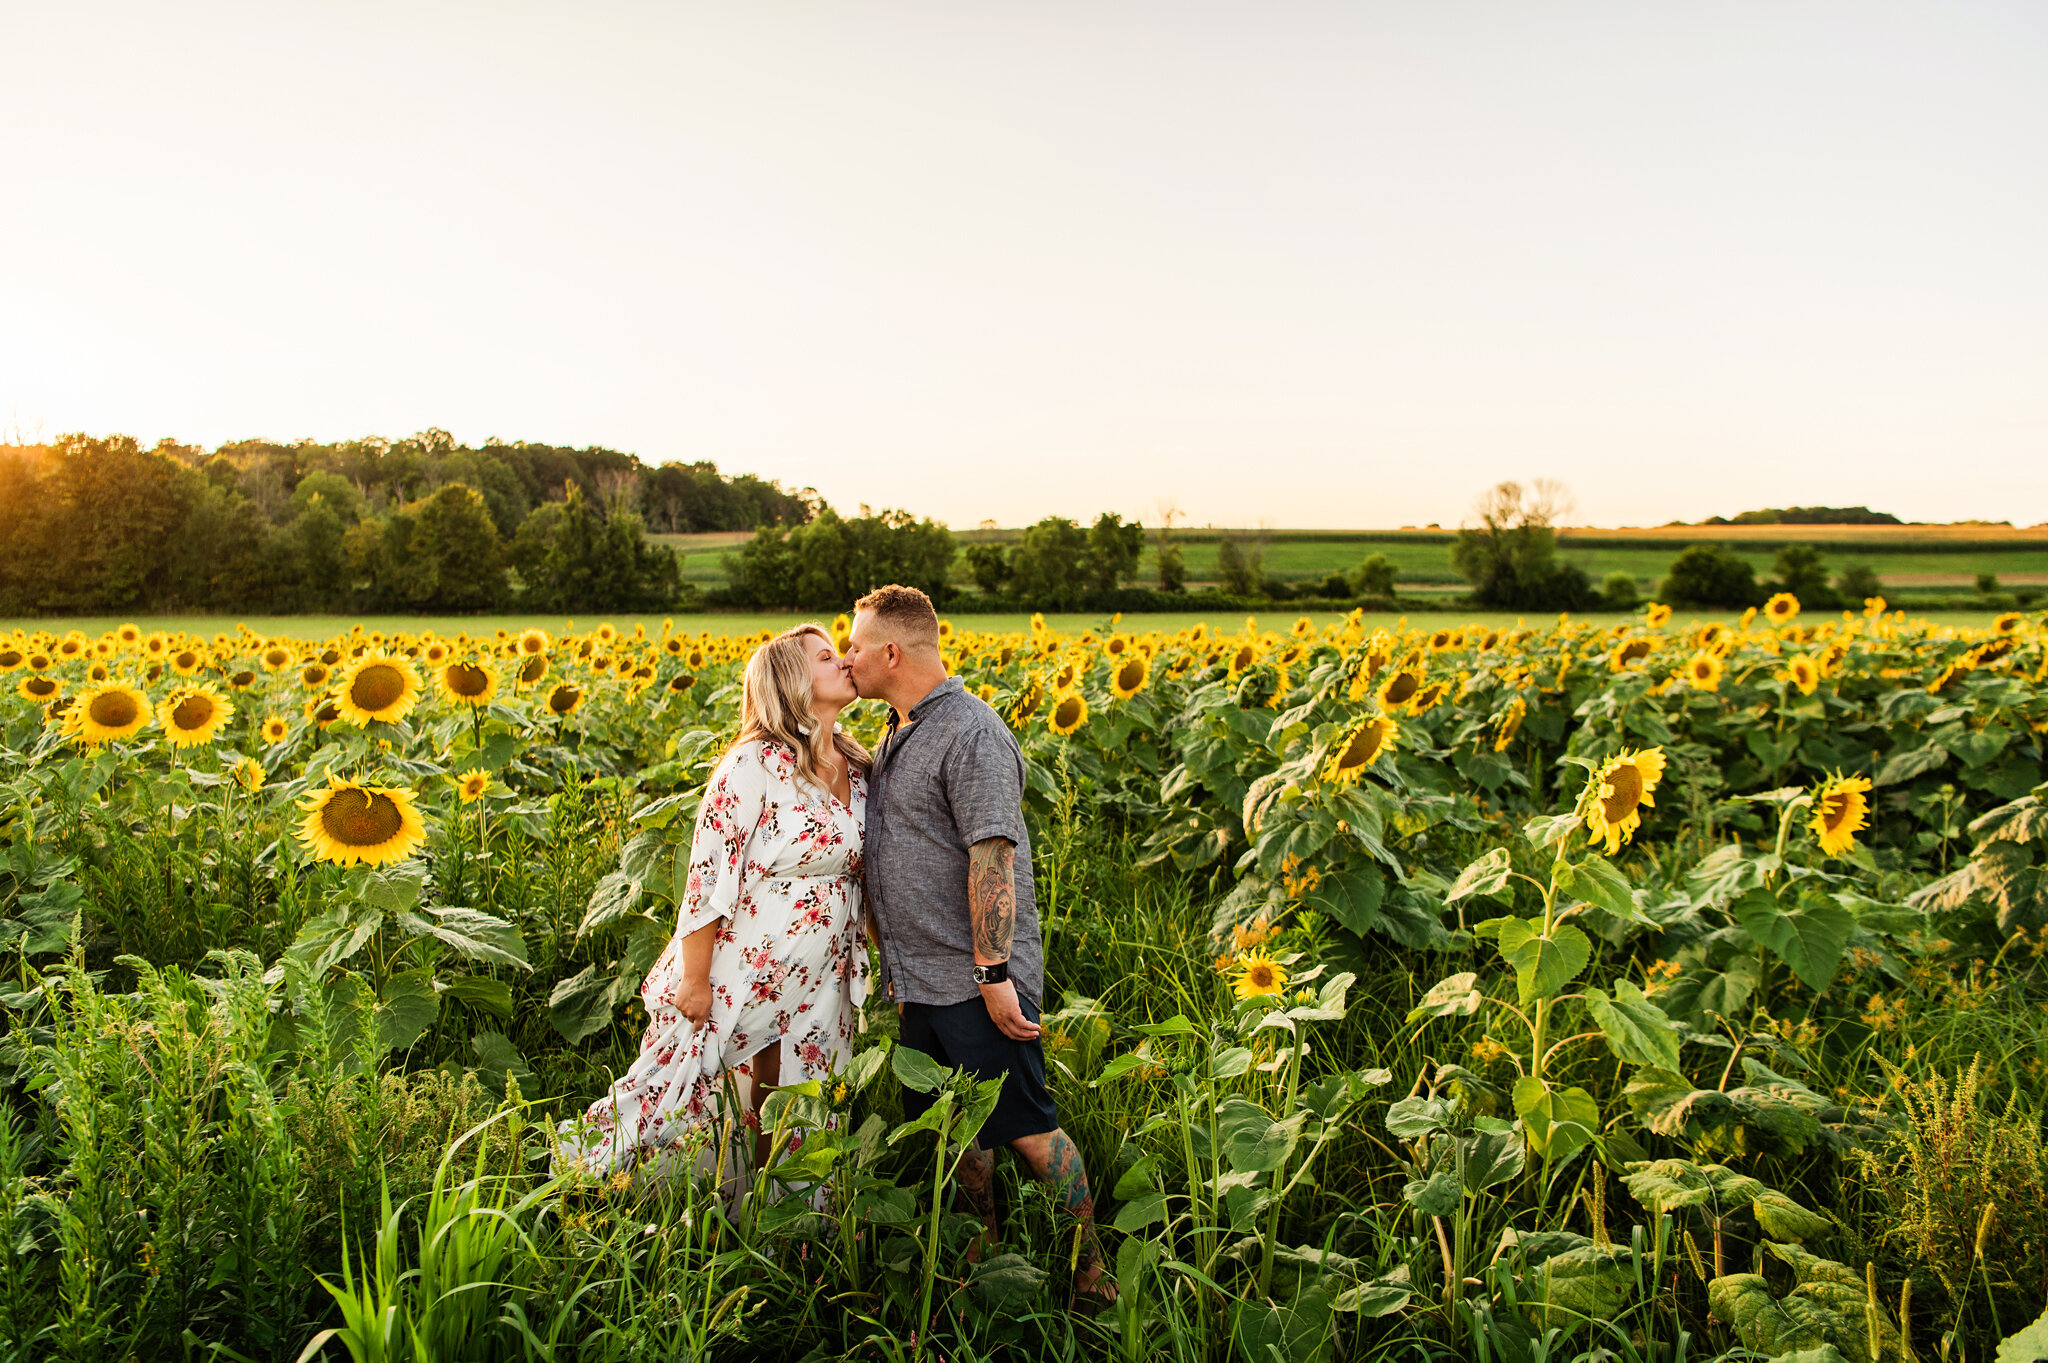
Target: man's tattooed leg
point(974, 1192)
point(1056, 1161)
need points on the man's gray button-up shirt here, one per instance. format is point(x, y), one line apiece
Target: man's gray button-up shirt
point(952, 777)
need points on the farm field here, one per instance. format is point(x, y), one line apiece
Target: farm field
point(317, 627)
point(1909, 557)
point(1629, 987)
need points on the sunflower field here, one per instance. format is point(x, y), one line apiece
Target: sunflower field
point(1655, 991)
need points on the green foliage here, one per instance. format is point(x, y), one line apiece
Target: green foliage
point(1373, 577)
point(830, 562)
point(1510, 557)
point(1710, 575)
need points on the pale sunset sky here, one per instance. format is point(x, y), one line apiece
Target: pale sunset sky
point(1279, 262)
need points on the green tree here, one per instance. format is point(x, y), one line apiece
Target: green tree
point(1238, 572)
point(1618, 591)
point(833, 560)
point(1710, 575)
point(1172, 562)
point(1049, 565)
point(1857, 582)
point(1373, 577)
point(458, 561)
point(989, 566)
point(1800, 571)
point(1510, 557)
point(1114, 549)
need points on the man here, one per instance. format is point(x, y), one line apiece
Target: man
point(949, 878)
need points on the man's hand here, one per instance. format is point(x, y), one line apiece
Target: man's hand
point(1003, 1010)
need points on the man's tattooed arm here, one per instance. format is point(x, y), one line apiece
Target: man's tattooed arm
point(992, 898)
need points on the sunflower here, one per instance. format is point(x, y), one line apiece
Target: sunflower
point(243, 679)
point(274, 729)
point(1944, 677)
point(1657, 615)
point(532, 669)
point(1069, 712)
point(322, 711)
point(1612, 804)
point(157, 645)
point(313, 676)
point(945, 631)
point(248, 773)
point(1130, 678)
point(464, 683)
point(681, 682)
point(1803, 672)
point(564, 698)
point(128, 634)
point(1243, 656)
point(1303, 627)
point(193, 715)
point(1428, 697)
point(12, 658)
point(38, 687)
point(347, 823)
point(1703, 672)
point(1780, 609)
point(1627, 653)
point(471, 785)
point(1873, 606)
point(1510, 723)
point(1358, 747)
point(377, 686)
point(109, 710)
point(187, 661)
point(1258, 974)
point(1399, 688)
point(1839, 809)
point(276, 658)
point(2008, 623)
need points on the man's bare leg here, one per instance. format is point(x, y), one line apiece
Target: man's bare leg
point(767, 1067)
point(1056, 1161)
point(974, 1184)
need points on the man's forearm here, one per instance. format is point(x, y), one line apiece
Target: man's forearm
point(992, 898)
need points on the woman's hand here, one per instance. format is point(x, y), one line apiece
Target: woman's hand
point(692, 998)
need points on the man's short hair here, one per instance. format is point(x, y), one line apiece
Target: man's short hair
point(905, 612)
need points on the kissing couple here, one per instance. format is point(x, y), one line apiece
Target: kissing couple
point(807, 849)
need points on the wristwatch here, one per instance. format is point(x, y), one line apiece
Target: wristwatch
point(992, 974)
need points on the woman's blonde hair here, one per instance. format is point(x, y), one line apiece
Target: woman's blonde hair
point(775, 705)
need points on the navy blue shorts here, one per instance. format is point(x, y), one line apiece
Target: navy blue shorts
point(963, 1036)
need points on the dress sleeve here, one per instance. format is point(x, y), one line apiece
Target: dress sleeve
point(733, 806)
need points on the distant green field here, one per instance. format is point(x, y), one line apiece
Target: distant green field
point(1903, 560)
point(327, 626)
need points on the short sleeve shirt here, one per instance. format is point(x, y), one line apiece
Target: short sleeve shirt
point(952, 777)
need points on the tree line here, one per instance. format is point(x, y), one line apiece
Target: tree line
point(94, 525)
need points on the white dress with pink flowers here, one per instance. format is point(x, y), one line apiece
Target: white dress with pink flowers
point(779, 862)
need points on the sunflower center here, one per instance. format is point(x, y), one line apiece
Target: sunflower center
point(1364, 745)
point(466, 680)
point(1637, 648)
point(192, 712)
point(1402, 687)
point(1261, 975)
point(41, 687)
point(1069, 712)
point(533, 669)
point(1130, 675)
point(354, 817)
point(377, 687)
point(564, 699)
point(114, 710)
point(1626, 783)
point(1835, 811)
point(277, 657)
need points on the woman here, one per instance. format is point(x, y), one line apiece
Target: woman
point(767, 969)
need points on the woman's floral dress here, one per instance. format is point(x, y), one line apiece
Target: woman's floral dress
point(780, 863)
